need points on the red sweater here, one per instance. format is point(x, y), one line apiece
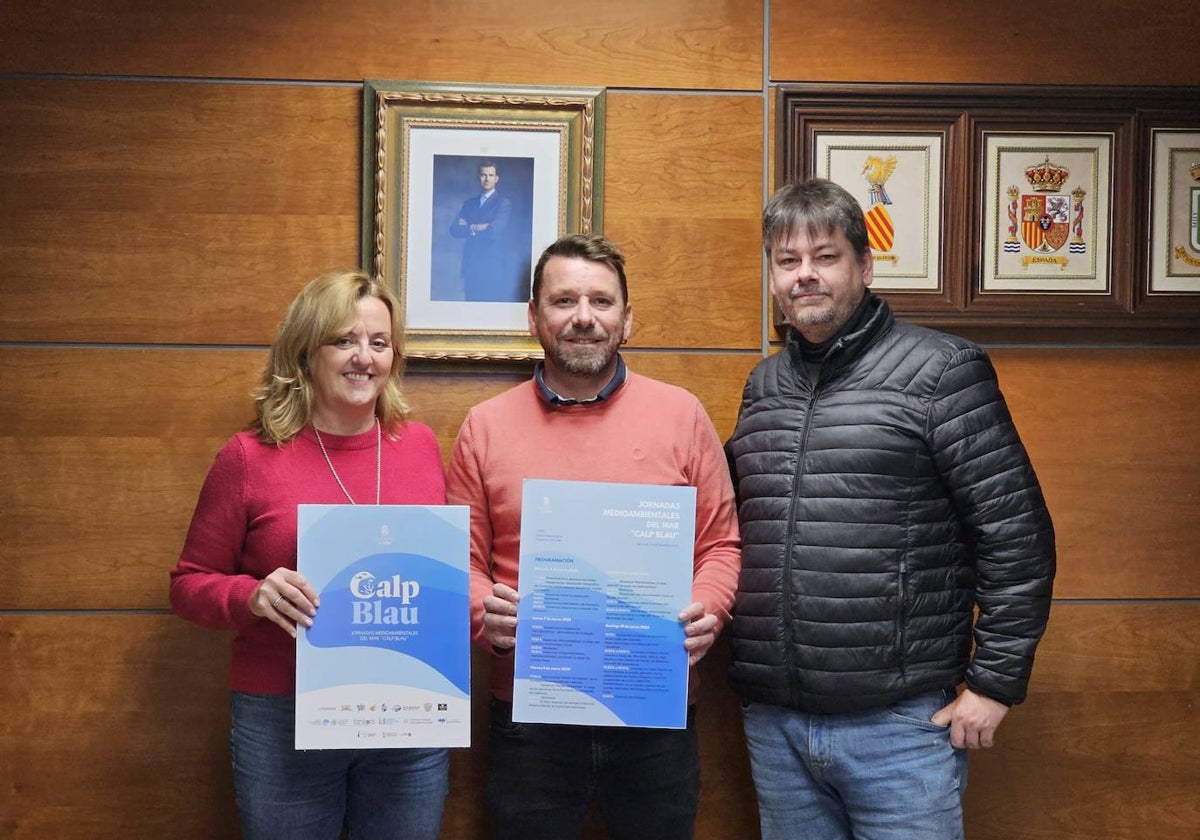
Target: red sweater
point(647, 432)
point(244, 528)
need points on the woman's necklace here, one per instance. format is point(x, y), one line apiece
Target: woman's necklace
point(378, 461)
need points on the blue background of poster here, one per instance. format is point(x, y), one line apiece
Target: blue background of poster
point(599, 641)
point(428, 545)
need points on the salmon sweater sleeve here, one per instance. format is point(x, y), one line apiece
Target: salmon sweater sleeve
point(647, 432)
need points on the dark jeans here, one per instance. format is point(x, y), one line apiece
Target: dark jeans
point(288, 794)
point(542, 778)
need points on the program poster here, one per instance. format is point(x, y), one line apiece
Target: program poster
point(386, 662)
point(604, 571)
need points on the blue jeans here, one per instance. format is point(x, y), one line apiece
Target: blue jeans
point(882, 774)
point(543, 777)
point(287, 793)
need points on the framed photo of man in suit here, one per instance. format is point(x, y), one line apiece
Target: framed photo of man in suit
point(462, 185)
point(484, 252)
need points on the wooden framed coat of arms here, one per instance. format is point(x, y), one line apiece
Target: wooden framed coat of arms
point(1016, 212)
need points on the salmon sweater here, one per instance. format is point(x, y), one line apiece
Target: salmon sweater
point(646, 432)
point(244, 528)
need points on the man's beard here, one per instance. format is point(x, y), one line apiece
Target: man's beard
point(807, 316)
point(580, 361)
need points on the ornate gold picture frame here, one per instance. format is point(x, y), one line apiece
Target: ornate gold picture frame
point(463, 187)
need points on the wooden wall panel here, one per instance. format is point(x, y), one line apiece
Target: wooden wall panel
point(1099, 648)
point(179, 198)
point(50, 393)
point(1102, 747)
point(162, 212)
point(96, 523)
point(1085, 766)
point(683, 195)
point(1114, 438)
point(1021, 43)
point(105, 452)
point(115, 726)
point(623, 43)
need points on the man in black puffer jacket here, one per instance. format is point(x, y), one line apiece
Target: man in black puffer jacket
point(884, 497)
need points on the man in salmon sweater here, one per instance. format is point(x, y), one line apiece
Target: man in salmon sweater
point(584, 416)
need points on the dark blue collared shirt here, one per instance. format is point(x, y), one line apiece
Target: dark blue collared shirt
point(618, 379)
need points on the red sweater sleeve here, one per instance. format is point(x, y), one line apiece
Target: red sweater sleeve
point(206, 586)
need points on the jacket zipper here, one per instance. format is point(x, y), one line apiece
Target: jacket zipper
point(900, 598)
point(790, 543)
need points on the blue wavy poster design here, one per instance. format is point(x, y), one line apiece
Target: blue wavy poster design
point(387, 660)
point(604, 571)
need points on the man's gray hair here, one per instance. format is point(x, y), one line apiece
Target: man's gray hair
point(818, 206)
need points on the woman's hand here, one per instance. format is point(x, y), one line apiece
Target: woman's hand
point(285, 597)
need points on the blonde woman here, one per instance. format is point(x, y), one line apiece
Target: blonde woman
point(331, 428)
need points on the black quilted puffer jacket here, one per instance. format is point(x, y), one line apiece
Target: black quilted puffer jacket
point(879, 506)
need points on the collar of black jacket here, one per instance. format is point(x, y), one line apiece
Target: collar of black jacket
point(869, 320)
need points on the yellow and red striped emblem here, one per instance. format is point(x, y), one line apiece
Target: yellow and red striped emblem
point(880, 232)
